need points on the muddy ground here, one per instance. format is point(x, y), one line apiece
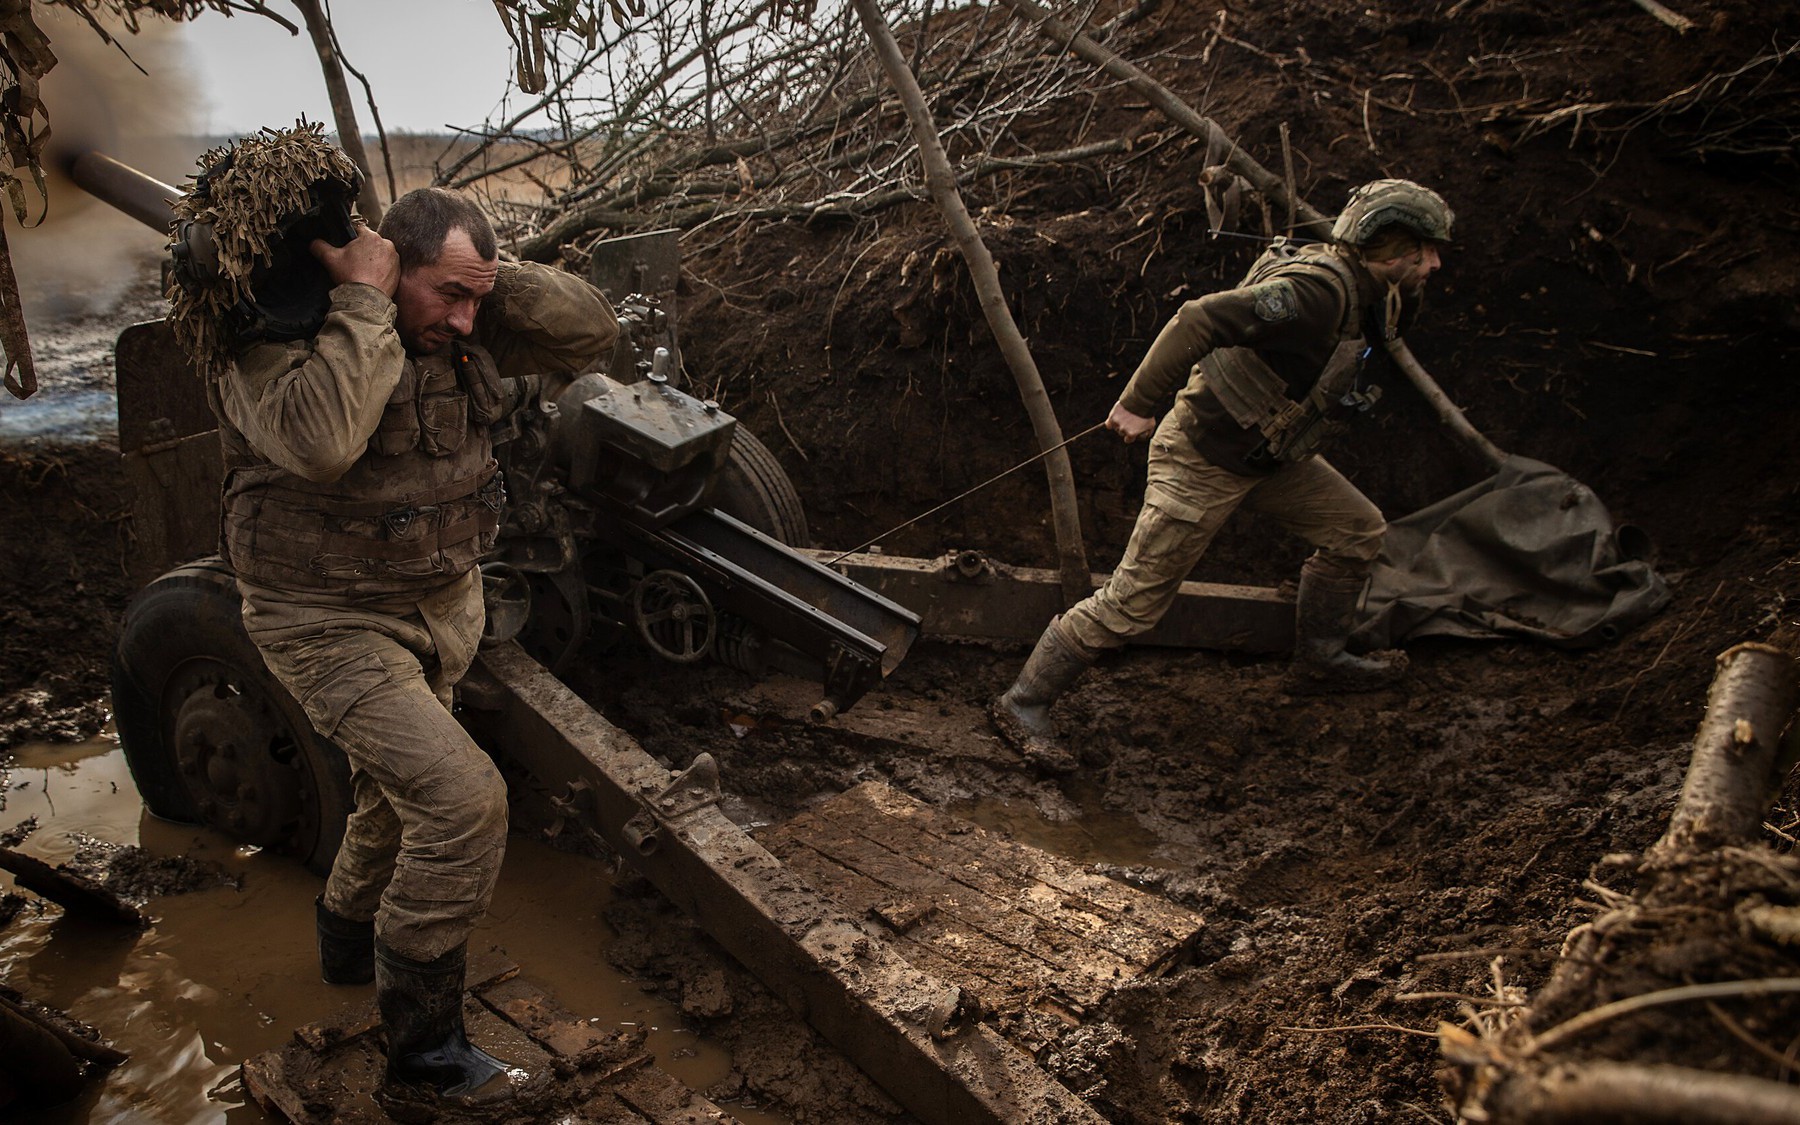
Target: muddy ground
point(1621, 302)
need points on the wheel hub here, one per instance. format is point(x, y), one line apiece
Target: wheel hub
point(238, 759)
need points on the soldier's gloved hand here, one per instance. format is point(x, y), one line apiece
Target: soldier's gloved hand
point(1132, 427)
point(368, 258)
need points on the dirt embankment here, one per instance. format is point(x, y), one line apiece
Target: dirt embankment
point(1620, 302)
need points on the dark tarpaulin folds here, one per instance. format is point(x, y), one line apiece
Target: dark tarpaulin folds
point(1528, 552)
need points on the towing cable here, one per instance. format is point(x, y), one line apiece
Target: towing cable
point(961, 495)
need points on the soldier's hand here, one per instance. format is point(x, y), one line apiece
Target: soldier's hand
point(1132, 427)
point(368, 258)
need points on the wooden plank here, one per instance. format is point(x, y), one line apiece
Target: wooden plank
point(1002, 976)
point(361, 1017)
point(560, 1032)
point(331, 1069)
point(842, 838)
point(74, 892)
point(266, 1081)
point(665, 1101)
point(930, 946)
point(837, 971)
point(1001, 602)
point(1120, 902)
point(1016, 890)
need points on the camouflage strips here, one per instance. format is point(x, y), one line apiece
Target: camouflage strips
point(244, 192)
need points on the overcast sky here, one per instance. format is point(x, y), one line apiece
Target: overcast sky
point(431, 63)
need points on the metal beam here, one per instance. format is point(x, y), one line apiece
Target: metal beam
point(907, 1030)
point(967, 596)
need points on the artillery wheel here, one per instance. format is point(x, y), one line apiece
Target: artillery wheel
point(674, 617)
point(754, 488)
point(211, 737)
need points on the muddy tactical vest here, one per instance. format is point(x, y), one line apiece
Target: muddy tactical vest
point(1254, 395)
point(422, 502)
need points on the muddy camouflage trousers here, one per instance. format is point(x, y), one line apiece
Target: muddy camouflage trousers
point(423, 848)
point(1186, 500)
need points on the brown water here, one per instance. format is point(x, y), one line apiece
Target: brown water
point(224, 974)
point(1086, 832)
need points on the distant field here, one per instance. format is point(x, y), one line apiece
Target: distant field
point(417, 160)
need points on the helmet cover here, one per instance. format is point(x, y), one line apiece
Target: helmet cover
point(1380, 204)
point(242, 266)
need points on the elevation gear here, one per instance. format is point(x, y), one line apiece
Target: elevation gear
point(1022, 714)
point(431, 1065)
point(1323, 613)
point(346, 948)
point(1380, 204)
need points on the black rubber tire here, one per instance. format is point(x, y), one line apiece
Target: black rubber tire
point(754, 488)
point(182, 646)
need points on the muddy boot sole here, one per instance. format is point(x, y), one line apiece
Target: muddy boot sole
point(1044, 754)
point(418, 1104)
point(1305, 679)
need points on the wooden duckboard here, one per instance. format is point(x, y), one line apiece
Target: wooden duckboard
point(1015, 926)
point(329, 1072)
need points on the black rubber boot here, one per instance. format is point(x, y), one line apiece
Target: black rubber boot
point(431, 1065)
point(1323, 613)
point(1022, 713)
point(346, 948)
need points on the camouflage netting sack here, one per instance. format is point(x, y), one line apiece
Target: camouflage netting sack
point(243, 271)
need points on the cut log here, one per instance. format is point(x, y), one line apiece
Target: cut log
point(1731, 779)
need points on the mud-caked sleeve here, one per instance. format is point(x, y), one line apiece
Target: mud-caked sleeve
point(310, 407)
point(542, 320)
point(1285, 313)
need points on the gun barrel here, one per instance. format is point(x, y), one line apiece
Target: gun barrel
point(144, 198)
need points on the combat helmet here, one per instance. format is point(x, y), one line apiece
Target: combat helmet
point(1381, 204)
point(241, 268)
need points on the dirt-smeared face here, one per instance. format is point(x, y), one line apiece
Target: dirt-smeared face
point(1409, 270)
point(436, 303)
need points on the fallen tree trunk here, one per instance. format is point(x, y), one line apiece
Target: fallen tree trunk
point(1731, 779)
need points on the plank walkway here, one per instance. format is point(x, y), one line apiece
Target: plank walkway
point(1015, 926)
point(328, 1073)
point(1017, 931)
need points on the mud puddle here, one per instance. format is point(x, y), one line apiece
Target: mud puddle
point(1072, 824)
point(223, 974)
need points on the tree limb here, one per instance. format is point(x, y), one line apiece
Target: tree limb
point(940, 179)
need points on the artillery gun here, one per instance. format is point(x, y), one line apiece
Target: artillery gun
point(639, 515)
point(639, 512)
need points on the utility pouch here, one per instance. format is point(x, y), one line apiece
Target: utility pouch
point(399, 427)
point(443, 423)
point(480, 380)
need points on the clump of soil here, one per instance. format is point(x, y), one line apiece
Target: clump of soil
point(135, 875)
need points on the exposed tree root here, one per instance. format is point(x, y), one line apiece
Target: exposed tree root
point(1712, 900)
point(1591, 1092)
